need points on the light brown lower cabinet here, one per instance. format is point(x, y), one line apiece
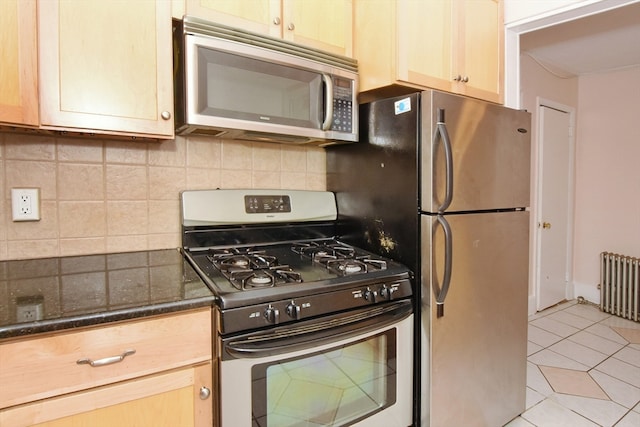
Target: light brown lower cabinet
point(150, 372)
point(169, 399)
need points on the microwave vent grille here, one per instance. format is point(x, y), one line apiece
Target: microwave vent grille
point(195, 130)
point(198, 26)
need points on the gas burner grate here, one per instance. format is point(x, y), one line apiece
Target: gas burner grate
point(247, 268)
point(321, 251)
point(241, 258)
point(338, 258)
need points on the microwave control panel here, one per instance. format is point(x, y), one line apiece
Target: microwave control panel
point(342, 105)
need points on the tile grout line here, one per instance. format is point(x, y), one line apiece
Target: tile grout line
point(590, 369)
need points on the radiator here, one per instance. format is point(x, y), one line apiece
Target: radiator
point(619, 283)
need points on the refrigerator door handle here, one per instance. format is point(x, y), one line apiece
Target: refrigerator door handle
point(441, 292)
point(441, 133)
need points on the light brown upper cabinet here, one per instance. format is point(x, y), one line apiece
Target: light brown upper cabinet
point(18, 63)
point(106, 67)
point(321, 24)
point(450, 45)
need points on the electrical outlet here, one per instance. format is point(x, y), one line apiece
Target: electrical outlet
point(29, 309)
point(25, 204)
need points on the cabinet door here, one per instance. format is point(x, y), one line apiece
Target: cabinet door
point(175, 398)
point(449, 45)
point(260, 16)
point(480, 48)
point(425, 30)
point(322, 24)
point(18, 63)
point(106, 66)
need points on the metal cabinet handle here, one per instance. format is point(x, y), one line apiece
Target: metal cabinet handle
point(276, 20)
point(291, 27)
point(106, 360)
point(165, 115)
point(546, 225)
point(204, 393)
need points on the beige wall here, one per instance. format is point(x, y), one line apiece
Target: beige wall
point(607, 171)
point(111, 196)
point(607, 199)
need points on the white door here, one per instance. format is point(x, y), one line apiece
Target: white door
point(555, 201)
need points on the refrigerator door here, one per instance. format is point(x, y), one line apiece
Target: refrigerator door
point(488, 166)
point(474, 365)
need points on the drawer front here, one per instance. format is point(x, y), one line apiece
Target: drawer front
point(38, 368)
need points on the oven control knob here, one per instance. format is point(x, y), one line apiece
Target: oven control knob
point(293, 310)
point(272, 314)
point(370, 295)
point(386, 292)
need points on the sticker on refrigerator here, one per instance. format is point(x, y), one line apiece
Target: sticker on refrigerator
point(402, 106)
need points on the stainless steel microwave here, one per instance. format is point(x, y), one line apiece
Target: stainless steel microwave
point(235, 84)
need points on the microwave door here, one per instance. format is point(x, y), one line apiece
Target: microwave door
point(232, 89)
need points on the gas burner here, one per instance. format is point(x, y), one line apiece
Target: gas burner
point(323, 251)
point(241, 259)
point(338, 258)
point(345, 267)
point(251, 261)
point(247, 268)
point(244, 279)
point(263, 277)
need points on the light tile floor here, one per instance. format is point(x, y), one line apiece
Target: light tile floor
point(583, 369)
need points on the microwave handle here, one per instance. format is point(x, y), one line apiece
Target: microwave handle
point(328, 101)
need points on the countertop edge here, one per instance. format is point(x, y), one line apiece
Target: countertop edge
point(32, 329)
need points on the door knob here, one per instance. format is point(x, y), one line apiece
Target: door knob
point(546, 225)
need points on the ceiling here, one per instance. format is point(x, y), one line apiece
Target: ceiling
point(598, 43)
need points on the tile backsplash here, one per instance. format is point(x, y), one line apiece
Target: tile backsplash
point(100, 195)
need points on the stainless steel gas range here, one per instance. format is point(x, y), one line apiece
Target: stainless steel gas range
point(312, 331)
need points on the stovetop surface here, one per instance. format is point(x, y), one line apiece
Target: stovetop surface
point(314, 273)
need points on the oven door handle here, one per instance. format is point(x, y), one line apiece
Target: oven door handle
point(313, 333)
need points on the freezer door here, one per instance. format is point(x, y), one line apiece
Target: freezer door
point(489, 162)
point(474, 352)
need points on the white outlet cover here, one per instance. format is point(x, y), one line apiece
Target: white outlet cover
point(25, 204)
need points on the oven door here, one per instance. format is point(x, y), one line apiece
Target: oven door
point(352, 369)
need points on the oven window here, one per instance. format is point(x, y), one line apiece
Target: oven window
point(331, 388)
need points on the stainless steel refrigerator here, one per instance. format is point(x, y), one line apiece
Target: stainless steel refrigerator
point(441, 183)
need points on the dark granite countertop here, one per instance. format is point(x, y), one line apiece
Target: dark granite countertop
point(69, 292)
